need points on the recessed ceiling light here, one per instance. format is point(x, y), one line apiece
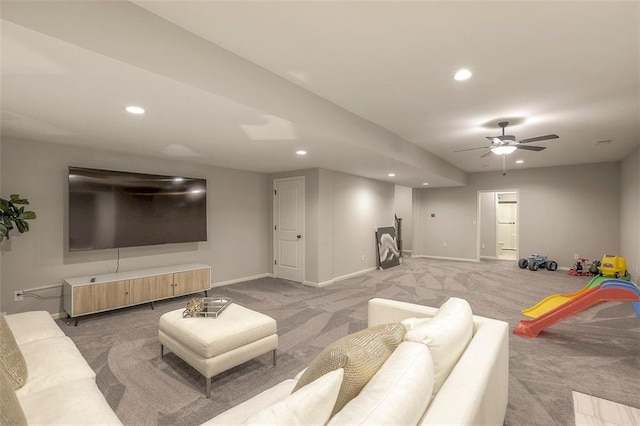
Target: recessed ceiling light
point(178, 179)
point(197, 191)
point(301, 152)
point(132, 109)
point(519, 161)
point(463, 74)
point(425, 183)
point(391, 174)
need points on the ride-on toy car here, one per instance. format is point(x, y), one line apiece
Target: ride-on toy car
point(537, 261)
point(613, 266)
point(578, 270)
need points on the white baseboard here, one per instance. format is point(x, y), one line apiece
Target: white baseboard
point(340, 278)
point(490, 257)
point(457, 259)
point(239, 280)
point(59, 315)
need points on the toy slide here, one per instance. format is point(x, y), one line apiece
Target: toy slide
point(609, 291)
point(551, 302)
point(555, 300)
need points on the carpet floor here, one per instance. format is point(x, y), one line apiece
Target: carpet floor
point(596, 352)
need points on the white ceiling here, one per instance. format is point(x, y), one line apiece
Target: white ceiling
point(365, 87)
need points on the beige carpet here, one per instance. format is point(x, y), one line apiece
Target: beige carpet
point(596, 352)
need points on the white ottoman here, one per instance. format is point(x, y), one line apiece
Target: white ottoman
point(213, 345)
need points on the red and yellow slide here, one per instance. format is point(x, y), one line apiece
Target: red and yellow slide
point(551, 302)
point(613, 290)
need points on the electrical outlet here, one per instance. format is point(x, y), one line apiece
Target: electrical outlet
point(444, 244)
point(576, 256)
point(483, 246)
point(18, 296)
point(362, 257)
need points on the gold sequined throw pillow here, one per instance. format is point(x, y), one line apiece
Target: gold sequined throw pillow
point(10, 410)
point(11, 359)
point(361, 355)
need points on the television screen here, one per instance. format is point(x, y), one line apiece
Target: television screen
point(112, 209)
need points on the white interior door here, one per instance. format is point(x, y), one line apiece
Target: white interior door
point(288, 218)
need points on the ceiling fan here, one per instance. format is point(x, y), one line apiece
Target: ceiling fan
point(506, 144)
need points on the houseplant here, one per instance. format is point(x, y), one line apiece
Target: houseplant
point(13, 216)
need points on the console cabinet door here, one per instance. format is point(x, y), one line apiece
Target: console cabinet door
point(151, 288)
point(191, 281)
point(100, 297)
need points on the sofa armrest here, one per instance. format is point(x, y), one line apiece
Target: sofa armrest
point(476, 391)
point(383, 311)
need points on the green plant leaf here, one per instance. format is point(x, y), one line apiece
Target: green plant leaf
point(20, 225)
point(29, 215)
point(15, 198)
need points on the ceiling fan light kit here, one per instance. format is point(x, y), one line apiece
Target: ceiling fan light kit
point(503, 149)
point(507, 144)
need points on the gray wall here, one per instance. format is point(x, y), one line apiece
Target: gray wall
point(488, 225)
point(238, 203)
point(403, 207)
point(341, 213)
point(630, 212)
point(359, 206)
point(562, 211)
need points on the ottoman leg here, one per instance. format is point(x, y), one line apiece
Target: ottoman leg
point(208, 394)
point(275, 352)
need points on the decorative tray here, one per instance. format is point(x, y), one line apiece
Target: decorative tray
point(207, 307)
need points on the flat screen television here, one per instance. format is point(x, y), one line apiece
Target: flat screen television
point(113, 209)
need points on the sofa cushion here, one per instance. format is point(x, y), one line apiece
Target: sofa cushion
point(76, 402)
point(310, 405)
point(11, 359)
point(446, 335)
point(33, 325)
point(238, 414)
point(399, 392)
point(10, 410)
point(52, 362)
point(361, 354)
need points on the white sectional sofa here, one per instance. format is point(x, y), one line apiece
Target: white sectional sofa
point(60, 386)
point(451, 368)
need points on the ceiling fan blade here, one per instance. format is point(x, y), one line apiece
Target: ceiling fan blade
point(485, 154)
point(472, 149)
point(494, 139)
point(539, 138)
point(531, 148)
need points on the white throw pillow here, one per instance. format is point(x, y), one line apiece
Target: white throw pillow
point(398, 394)
point(446, 335)
point(310, 405)
point(411, 323)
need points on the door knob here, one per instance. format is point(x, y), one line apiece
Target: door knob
point(298, 236)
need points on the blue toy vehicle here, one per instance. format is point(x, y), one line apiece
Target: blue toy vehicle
point(537, 261)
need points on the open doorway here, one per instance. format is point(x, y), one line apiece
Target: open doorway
point(507, 225)
point(498, 224)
